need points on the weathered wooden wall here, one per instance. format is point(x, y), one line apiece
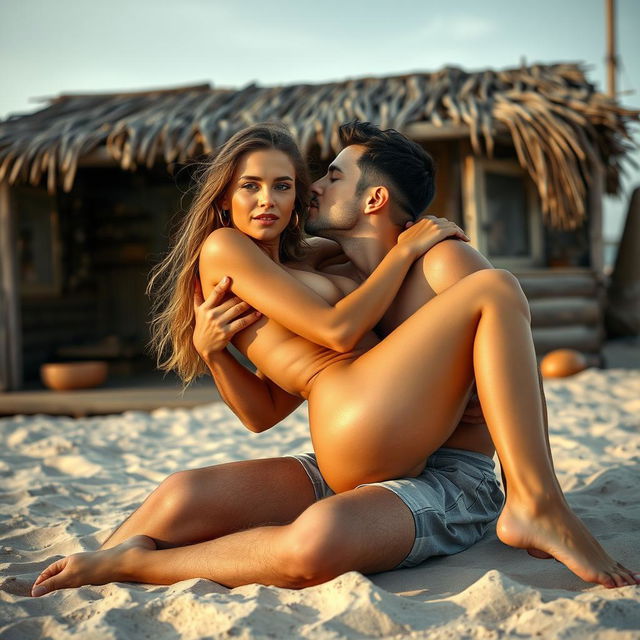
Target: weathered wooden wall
point(566, 309)
point(49, 323)
point(113, 227)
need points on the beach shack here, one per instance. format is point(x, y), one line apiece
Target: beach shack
point(90, 185)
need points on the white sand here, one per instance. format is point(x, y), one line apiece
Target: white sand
point(65, 484)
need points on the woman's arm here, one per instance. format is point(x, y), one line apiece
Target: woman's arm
point(257, 401)
point(278, 295)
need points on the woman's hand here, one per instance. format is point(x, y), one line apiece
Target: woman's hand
point(217, 322)
point(428, 231)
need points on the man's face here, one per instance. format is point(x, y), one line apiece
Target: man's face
point(334, 204)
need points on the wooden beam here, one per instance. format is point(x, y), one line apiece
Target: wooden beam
point(587, 339)
point(428, 131)
point(596, 192)
point(10, 331)
point(558, 312)
point(596, 243)
point(99, 157)
point(554, 283)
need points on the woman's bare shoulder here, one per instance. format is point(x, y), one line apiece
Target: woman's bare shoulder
point(227, 251)
point(225, 246)
point(222, 240)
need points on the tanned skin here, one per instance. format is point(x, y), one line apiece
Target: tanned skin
point(477, 326)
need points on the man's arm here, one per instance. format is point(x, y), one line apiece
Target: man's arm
point(256, 400)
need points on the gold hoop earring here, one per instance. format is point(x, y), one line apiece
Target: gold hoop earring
point(296, 224)
point(225, 217)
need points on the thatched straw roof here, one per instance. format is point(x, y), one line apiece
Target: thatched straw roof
point(560, 126)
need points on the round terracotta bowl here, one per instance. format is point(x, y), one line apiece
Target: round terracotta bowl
point(66, 376)
point(562, 363)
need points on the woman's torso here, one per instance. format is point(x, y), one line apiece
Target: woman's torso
point(288, 359)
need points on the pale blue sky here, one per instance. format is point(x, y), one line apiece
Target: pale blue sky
point(50, 47)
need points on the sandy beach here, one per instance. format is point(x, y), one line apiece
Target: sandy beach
point(66, 483)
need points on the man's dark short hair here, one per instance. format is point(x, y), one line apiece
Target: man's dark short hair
point(392, 160)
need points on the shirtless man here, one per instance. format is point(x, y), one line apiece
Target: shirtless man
point(275, 521)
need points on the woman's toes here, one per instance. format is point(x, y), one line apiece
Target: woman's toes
point(40, 586)
point(618, 578)
point(630, 577)
point(59, 575)
point(52, 569)
point(39, 590)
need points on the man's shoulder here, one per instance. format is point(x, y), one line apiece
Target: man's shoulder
point(452, 259)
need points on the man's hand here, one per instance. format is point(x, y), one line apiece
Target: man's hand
point(216, 322)
point(473, 411)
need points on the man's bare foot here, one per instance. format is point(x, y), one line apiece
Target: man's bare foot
point(94, 567)
point(554, 530)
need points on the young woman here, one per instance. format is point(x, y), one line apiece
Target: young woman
point(367, 398)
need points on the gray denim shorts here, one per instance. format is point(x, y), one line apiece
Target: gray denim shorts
point(453, 501)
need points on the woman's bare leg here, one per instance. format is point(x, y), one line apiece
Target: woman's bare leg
point(374, 426)
point(378, 404)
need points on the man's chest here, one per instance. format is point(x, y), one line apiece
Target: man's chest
point(413, 294)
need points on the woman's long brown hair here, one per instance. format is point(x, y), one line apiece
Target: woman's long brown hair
point(171, 283)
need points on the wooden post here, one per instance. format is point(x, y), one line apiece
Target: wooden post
point(470, 209)
point(10, 331)
point(596, 244)
point(594, 208)
point(612, 58)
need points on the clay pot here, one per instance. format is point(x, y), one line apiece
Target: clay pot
point(66, 376)
point(562, 363)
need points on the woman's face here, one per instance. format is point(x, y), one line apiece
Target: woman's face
point(262, 194)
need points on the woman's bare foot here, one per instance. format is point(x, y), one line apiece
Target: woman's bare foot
point(94, 567)
point(555, 530)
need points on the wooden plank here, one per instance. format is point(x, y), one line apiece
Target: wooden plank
point(10, 333)
point(428, 131)
point(447, 131)
point(118, 395)
point(579, 337)
point(100, 157)
point(557, 312)
point(543, 286)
